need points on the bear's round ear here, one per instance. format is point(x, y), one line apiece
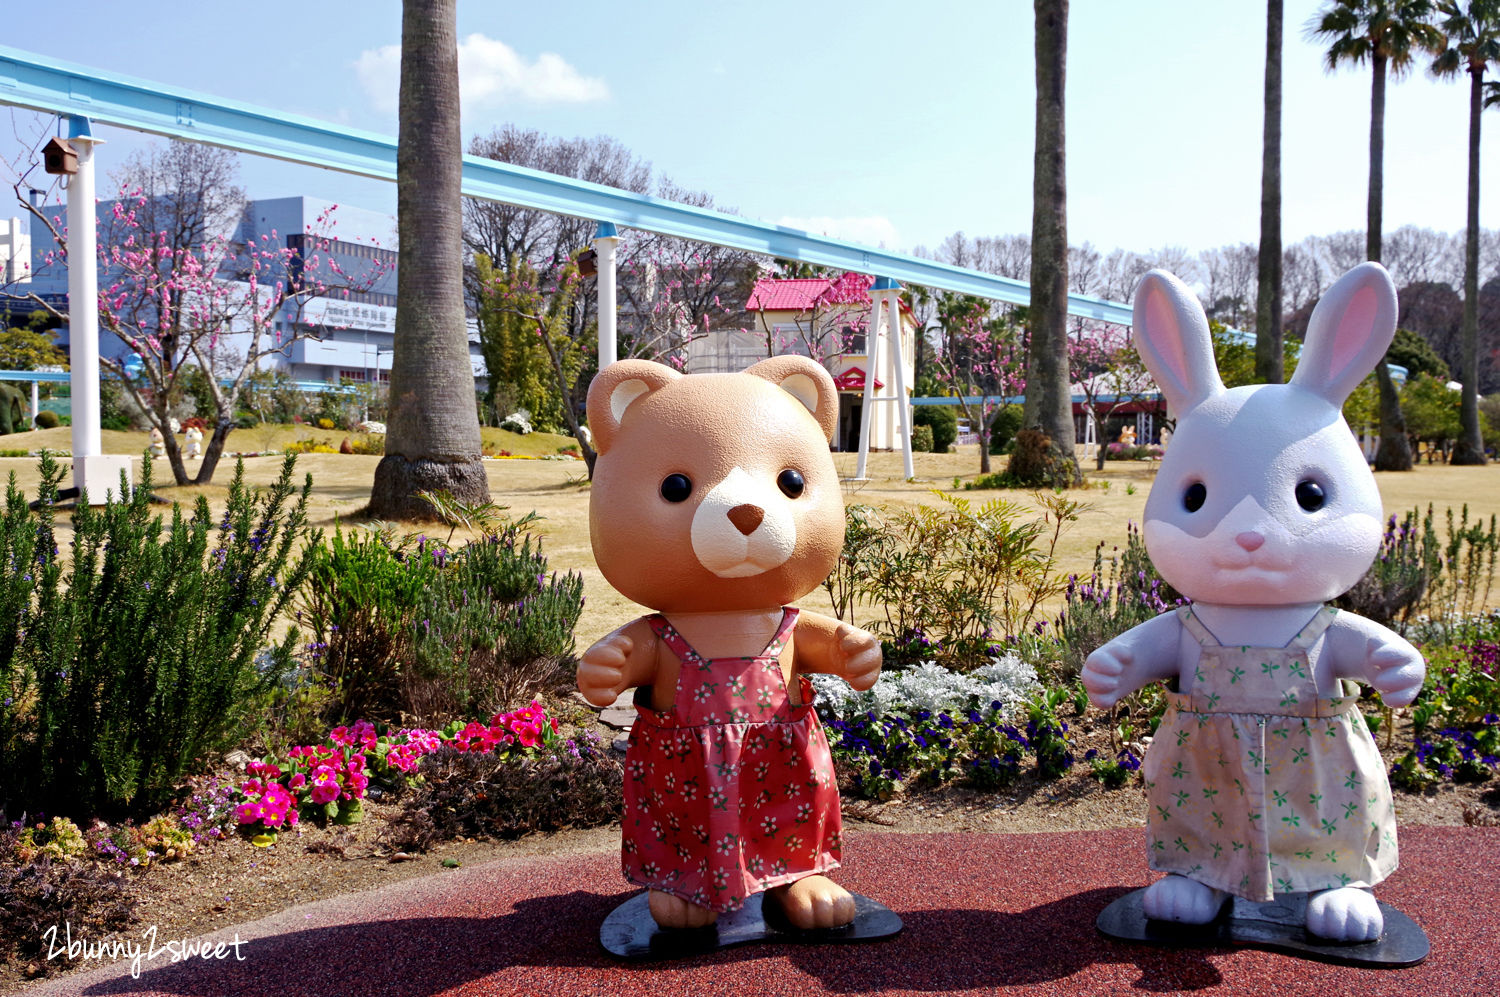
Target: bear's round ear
point(807, 382)
point(614, 389)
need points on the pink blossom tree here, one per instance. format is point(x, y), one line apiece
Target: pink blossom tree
point(1108, 371)
point(981, 355)
point(176, 306)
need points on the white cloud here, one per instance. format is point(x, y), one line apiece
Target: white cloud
point(489, 72)
point(869, 230)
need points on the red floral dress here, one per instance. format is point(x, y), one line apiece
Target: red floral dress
point(730, 791)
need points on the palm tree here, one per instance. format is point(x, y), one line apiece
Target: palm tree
point(1268, 333)
point(1049, 403)
point(1472, 41)
point(1389, 33)
point(432, 433)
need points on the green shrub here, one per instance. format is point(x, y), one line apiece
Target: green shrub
point(493, 628)
point(1004, 427)
point(360, 593)
point(48, 419)
point(1036, 462)
point(1398, 580)
point(942, 419)
point(1111, 600)
point(950, 584)
point(921, 439)
point(1446, 578)
point(411, 628)
point(148, 658)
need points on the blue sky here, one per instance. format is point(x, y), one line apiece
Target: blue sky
point(880, 122)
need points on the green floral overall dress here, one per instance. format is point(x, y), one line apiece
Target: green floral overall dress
point(1256, 785)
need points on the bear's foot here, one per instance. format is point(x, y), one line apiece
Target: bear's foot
point(673, 912)
point(1347, 914)
point(1187, 901)
point(813, 902)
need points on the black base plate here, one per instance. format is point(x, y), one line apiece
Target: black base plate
point(1266, 926)
point(629, 932)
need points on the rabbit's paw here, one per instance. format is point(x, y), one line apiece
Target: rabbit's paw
point(814, 902)
point(1347, 914)
point(1177, 898)
point(669, 911)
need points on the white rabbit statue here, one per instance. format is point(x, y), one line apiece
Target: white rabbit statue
point(1263, 778)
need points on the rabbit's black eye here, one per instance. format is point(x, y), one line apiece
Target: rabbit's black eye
point(1309, 495)
point(1195, 496)
point(790, 482)
point(676, 487)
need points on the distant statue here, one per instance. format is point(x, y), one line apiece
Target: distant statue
point(194, 442)
point(158, 444)
point(1127, 436)
point(1166, 437)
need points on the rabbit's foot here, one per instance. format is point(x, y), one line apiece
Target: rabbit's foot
point(669, 911)
point(814, 902)
point(1177, 898)
point(1347, 914)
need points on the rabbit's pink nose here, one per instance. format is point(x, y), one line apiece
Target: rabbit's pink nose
point(1250, 540)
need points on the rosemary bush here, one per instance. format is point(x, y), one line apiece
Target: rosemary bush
point(127, 667)
point(359, 598)
point(493, 628)
point(409, 629)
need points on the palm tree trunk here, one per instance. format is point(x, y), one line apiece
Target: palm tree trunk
point(1394, 452)
point(1470, 448)
point(1268, 333)
point(1377, 159)
point(1049, 405)
point(432, 435)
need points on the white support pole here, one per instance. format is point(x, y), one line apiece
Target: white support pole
point(83, 297)
point(872, 355)
point(93, 472)
point(898, 363)
point(606, 240)
point(36, 403)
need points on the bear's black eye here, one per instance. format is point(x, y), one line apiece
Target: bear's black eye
point(790, 482)
point(1309, 495)
point(676, 487)
point(1195, 496)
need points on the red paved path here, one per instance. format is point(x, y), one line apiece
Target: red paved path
point(983, 913)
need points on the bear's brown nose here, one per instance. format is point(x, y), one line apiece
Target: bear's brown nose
point(746, 518)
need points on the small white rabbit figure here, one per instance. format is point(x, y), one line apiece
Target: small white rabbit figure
point(1263, 778)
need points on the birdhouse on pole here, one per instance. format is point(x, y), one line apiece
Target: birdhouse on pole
point(59, 158)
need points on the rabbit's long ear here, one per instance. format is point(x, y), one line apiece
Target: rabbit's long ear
point(1171, 334)
point(1349, 332)
point(613, 391)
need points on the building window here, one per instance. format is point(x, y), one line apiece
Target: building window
point(352, 375)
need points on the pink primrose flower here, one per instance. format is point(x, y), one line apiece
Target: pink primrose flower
point(252, 787)
point(297, 781)
point(276, 797)
point(249, 813)
point(325, 784)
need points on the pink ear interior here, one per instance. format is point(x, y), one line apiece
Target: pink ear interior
point(1166, 336)
point(1353, 331)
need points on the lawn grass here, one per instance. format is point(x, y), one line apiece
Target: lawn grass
point(558, 490)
